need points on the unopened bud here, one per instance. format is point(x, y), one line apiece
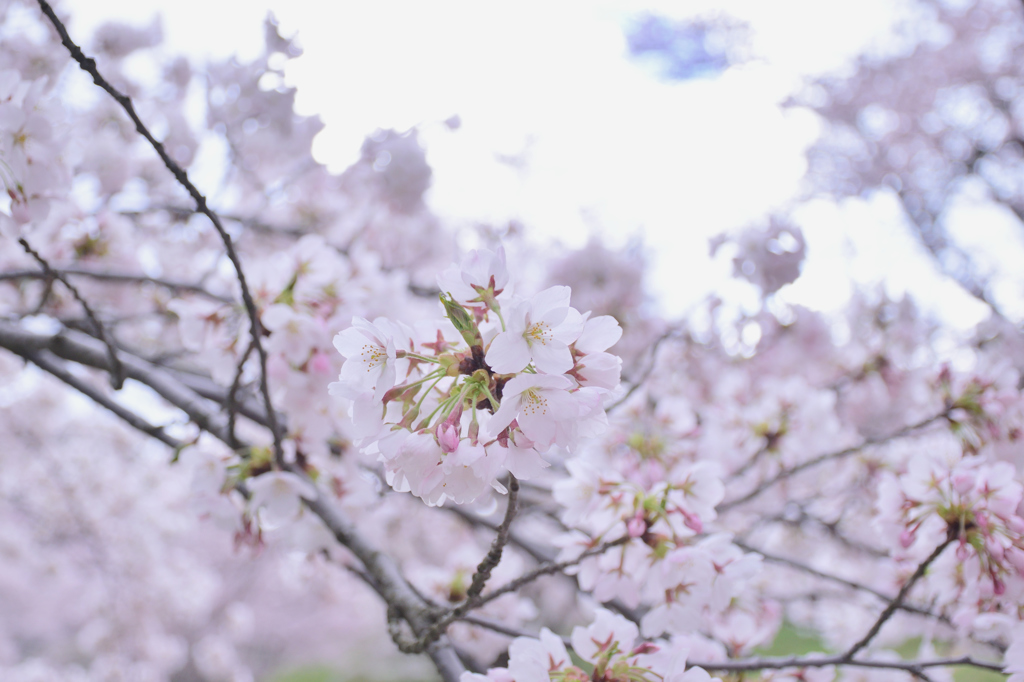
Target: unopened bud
point(447, 437)
point(693, 522)
point(907, 537)
point(636, 525)
point(461, 319)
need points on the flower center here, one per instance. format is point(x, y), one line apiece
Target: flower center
point(534, 402)
point(373, 355)
point(539, 332)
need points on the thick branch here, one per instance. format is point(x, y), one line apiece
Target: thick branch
point(89, 351)
point(50, 363)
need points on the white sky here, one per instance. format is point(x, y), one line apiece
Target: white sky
point(605, 145)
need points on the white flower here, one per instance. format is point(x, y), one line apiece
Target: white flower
point(542, 406)
point(530, 659)
point(276, 497)
point(594, 367)
point(608, 631)
point(370, 358)
point(539, 330)
point(481, 277)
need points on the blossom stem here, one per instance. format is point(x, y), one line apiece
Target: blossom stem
point(416, 356)
point(423, 397)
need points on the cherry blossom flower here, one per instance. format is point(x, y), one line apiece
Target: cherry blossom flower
point(370, 358)
point(537, 331)
point(542, 407)
point(277, 497)
point(481, 278)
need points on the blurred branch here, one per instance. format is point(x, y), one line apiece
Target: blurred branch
point(646, 374)
point(116, 371)
point(895, 603)
point(116, 277)
point(387, 578)
point(51, 364)
point(820, 459)
point(938, 246)
point(229, 404)
point(88, 351)
point(912, 667)
point(804, 568)
point(256, 331)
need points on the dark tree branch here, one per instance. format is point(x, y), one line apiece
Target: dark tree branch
point(465, 607)
point(493, 558)
point(86, 350)
point(116, 277)
point(116, 371)
point(804, 568)
point(230, 406)
point(911, 667)
point(900, 596)
point(48, 362)
point(88, 65)
point(386, 577)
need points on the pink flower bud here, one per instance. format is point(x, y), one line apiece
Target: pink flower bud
point(998, 586)
point(981, 520)
point(320, 362)
point(636, 525)
point(1016, 558)
point(994, 549)
point(693, 522)
point(907, 537)
point(447, 437)
point(963, 482)
point(1016, 524)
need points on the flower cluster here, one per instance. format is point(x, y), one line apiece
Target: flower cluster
point(972, 502)
point(449, 404)
point(607, 648)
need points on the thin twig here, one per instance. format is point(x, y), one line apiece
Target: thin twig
point(88, 65)
point(505, 629)
point(645, 375)
point(116, 370)
point(804, 568)
point(824, 661)
point(118, 277)
point(821, 459)
point(230, 405)
point(900, 596)
point(493, 558)
point(469, 605)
